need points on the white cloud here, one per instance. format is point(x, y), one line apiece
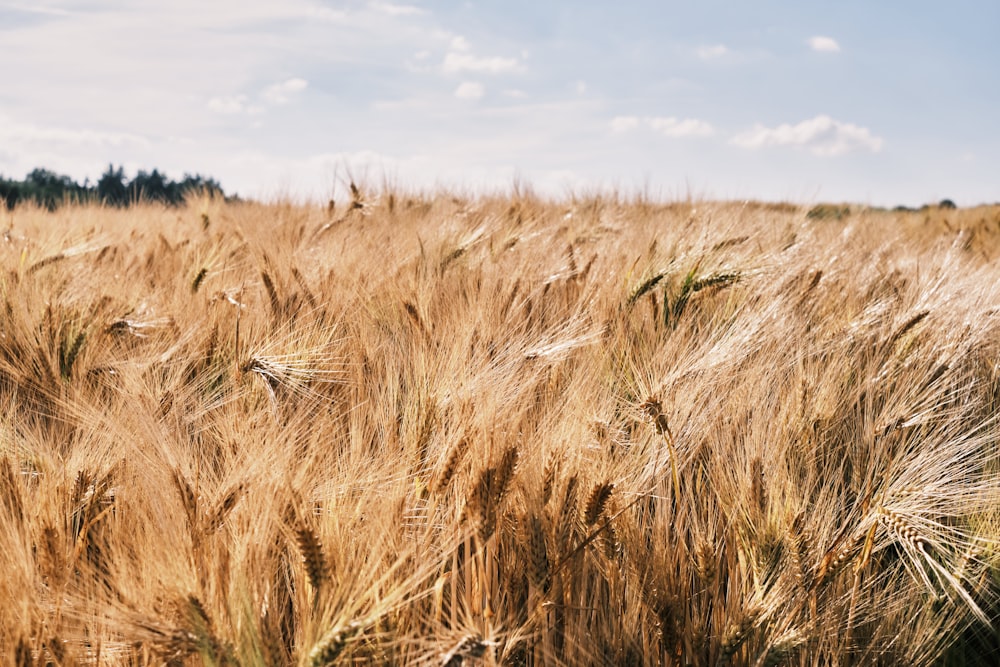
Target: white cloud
point(77, 150)
point(48, 11)
point(281, 93)
point(712, 52)
point(824, 44)
point(688, 127)
point(460, 43)
point(325, 14)
point(228, 104)
point(26, 135)
point(821, 136)
point(624, 123)
point(466, 62)
point(470, 90)
point(666, 125)
point(580, 87)
point(393, 9)
point(199, 62)
point(318, 177)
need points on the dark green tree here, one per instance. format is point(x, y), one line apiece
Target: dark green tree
point(10, 192)
point(111, 187)
point(149, 187)
point(49, 189)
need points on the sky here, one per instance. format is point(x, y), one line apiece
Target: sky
point(880, 103)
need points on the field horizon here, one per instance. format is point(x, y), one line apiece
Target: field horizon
point(428, 429)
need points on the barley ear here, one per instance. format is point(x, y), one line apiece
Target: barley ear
point(470, 646)
point(705, 562)
point(332, 644)
point(11, 490)
point(504, 474)
point(549, 478)
point(272, 293)
point(782, 648)
point(538, 559)
point(188, 499)
point(837, 557)
point(225, 506)
point(313, 558)
point(455, 457)
point(199, 277)
point(597, 501)
point(758, 486)
point(644, 287)
point(479, 505)
point(737, 634)
point(69, 353)
point(22, 654)
point(567, 516)
point(798, 552)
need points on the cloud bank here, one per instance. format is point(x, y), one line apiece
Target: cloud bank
point(668, 126)
point(824, 44)
point(712, 52)
point(822, 135)
point(470, 90)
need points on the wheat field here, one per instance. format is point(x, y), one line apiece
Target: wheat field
point(440, 430)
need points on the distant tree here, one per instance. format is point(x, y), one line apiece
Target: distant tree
point(10, 192)
point(49, 189)
point(111, 188)
point(149, 187)
point(198, 183)
point(946, 203)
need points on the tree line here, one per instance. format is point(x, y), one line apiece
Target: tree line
point(50, 190)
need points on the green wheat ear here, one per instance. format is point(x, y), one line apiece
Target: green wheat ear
point(69, 353)
point(644, 287)
point(199, 277)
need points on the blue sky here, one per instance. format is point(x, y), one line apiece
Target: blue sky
point(881, 103)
